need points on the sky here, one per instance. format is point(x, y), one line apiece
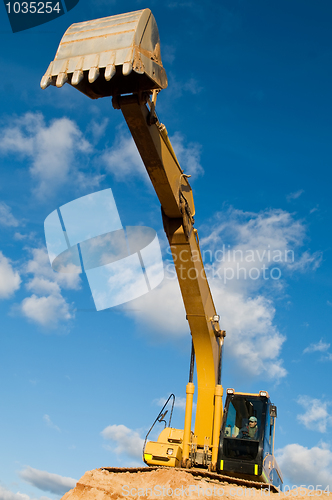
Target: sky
point(248, 111)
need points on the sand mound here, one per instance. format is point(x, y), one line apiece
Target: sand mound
point(163, 484)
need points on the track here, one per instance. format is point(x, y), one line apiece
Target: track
point(199, 474)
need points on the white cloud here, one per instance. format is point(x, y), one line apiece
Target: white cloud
point(306, 466)
point(127, 441)
point(47, 306)
point(14, 139)
point(295, 195)
point(180, 87)
point(42, 285)
point(307, 261)
point(180, 402)
point(54, 151)
point(46, 311)
point(192, 86)
point(253, 341)
point(9, 278)
point(123, 160)
point(319, 347)
point(97, 128)
point(9, 495)
point(316, 416)
point(47, 481)
point(313, 210)
point(168, 53)
point(246, 306)
point(49, 423)
point(41, 268)
point(188, 155)
point(153, 309)
point(20, 237)
point(261, 247)
point(6, 216)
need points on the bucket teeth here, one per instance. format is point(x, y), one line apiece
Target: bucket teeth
point(93, 74)
point(77, 77)
point(61, 79)
point(127, 68)
point(46, 81)
point(47, 78)
point(109, 72)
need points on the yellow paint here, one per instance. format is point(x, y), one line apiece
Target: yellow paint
point(221, 465)
point(190, 389)
point(216, 424)
point(256, 470)
point(265, 477)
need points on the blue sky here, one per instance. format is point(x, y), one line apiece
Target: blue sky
point(248, 111)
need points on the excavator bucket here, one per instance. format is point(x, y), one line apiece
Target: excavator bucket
point(109, 56)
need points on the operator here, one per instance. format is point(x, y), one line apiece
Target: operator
point(249, 431)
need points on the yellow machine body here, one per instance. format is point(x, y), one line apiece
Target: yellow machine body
point(167, 450)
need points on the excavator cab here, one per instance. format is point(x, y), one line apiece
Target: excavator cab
point(245, 450)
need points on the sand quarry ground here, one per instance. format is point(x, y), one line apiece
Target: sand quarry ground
point(164, 484)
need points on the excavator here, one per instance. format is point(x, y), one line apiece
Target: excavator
point(119, 57)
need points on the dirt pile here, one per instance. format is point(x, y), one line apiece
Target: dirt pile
point(164, 484)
